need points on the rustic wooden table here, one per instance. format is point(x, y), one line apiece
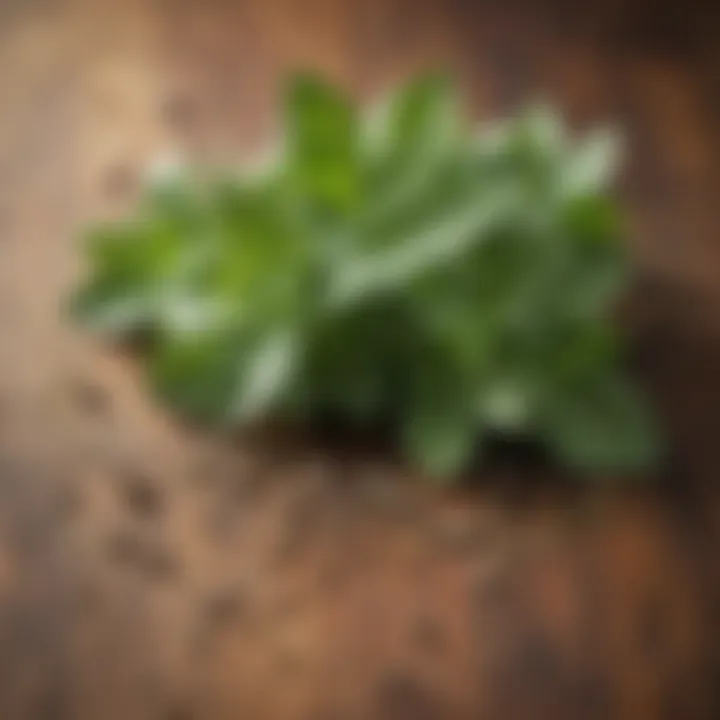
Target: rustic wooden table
point(145, 573)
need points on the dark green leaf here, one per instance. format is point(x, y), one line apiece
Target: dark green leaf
point(604, 428)
point(440, 436)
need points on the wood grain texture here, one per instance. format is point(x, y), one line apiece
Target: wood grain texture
point(148, 572)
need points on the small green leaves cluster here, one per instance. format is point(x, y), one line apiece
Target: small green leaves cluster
point(396, 265)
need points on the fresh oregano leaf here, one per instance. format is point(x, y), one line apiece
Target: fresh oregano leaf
point(392, 268)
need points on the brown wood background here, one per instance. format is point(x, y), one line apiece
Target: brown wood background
point(146, 572)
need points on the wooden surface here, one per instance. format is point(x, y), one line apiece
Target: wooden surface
point(146, 572)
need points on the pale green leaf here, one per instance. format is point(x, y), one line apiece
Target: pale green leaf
point(591, 165)
point(264, 375)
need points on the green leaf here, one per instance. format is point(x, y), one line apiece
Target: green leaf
point(197, 374)
point(120, 297)
point(604, 428)
point(593, 219)
point(506, 405)
point(105, 308)
point(264, 376)
point(545, 128)
point(441, 243)
point(423, 118)
point(407, 140)
point(321, 141)
point(591, 165)
point(440, 437)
